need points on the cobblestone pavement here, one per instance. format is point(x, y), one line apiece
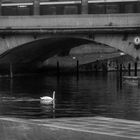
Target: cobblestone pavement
point(83, 128)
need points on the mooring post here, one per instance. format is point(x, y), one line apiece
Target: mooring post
point(120, 75)
point(120, 70)
point(117, 66)
point(77, 70)
point(135, 74)
point(11, 70)
point(129, 69)
point(58, 69)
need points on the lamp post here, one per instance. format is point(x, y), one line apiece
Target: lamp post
point(77, 66)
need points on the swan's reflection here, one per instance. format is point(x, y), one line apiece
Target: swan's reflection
point(49, 109)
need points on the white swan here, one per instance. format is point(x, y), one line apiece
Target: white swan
point(47, 99)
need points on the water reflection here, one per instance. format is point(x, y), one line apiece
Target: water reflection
point(49, 109)
point(90, 95)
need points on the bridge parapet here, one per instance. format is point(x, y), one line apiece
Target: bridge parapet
point(98, 22)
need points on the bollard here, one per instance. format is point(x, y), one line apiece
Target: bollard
point(129, 69)
point(135, 69)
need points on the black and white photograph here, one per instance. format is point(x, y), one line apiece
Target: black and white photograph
point(69, 69)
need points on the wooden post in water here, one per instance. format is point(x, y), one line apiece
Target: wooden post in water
point(58, 69)
point(120, 70)
point(135, 74)
point(77, 69)
point(129, 69)
point(11, 70)
point(120, 75)
point(117, 66)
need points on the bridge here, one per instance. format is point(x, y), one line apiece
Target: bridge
point(26, 39)
point(23, 37)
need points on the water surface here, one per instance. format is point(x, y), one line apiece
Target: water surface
point(91, 95)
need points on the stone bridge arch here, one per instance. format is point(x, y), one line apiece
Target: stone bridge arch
point(29, 48)
point(26, 49)
point(122, 42)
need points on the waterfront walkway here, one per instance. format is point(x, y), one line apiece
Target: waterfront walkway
point(83, 128)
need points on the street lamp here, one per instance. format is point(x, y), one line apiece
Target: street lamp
point(77, 65)
point(73, 57)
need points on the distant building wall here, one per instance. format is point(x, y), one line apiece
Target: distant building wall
point(62, 7)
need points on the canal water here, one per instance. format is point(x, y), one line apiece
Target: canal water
point(90, 95)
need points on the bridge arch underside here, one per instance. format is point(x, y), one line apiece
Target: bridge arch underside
point(41, 49)
point(33, 50)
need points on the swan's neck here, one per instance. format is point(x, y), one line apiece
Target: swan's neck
point(53, 95)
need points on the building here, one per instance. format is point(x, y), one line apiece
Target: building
point(64, 7)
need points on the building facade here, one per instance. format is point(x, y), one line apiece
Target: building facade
point(67, 7)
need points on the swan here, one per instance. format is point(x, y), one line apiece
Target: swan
point(47, 99)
